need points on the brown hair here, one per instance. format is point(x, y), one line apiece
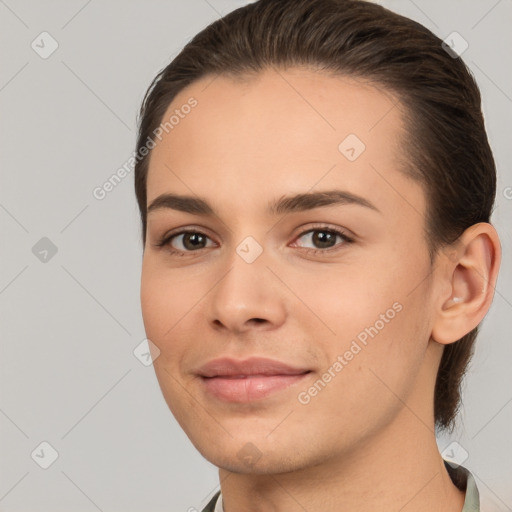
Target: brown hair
point(446, 146)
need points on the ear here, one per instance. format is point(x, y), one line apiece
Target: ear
point(470, 274)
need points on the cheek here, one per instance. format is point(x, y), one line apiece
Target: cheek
point(153, 297)
point(345, 300)
point(373, 319)
point(163, 308)
point(370, 371)
point(163, 305)
point(392, 354)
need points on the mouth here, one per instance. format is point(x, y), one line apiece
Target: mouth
point(252, 379)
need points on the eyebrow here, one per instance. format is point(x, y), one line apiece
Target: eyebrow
point(286, 204)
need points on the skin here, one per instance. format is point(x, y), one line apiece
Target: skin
point(366, 440)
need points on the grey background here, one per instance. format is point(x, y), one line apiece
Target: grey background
point(70, 324)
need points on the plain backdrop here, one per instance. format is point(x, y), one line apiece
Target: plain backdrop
point(73, 394)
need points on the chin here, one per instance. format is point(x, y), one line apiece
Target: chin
point(257, 464)
point(256, 454)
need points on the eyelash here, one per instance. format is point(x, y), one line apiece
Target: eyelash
point(166, 240)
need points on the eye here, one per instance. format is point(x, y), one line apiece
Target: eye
point(324, 238)
point(187, 241)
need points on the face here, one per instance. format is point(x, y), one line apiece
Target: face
point(289, 332)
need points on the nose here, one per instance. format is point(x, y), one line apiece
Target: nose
point(248, 296)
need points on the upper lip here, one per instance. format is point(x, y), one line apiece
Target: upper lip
point(227, 367)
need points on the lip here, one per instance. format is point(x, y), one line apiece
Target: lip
point(247, 380)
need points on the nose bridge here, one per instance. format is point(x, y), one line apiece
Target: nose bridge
point(248, 290)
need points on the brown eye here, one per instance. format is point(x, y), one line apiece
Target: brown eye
point(184, 241)
point(192, 240)
point(324, 238)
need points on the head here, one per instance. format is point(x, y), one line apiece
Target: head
point(281, 99)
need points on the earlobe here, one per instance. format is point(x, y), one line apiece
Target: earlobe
point(472, 275)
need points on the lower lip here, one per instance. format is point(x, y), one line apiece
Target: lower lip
point(248, 389)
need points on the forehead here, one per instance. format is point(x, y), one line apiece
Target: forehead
point(281, 132)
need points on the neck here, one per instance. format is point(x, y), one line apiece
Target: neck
point(390, 472)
